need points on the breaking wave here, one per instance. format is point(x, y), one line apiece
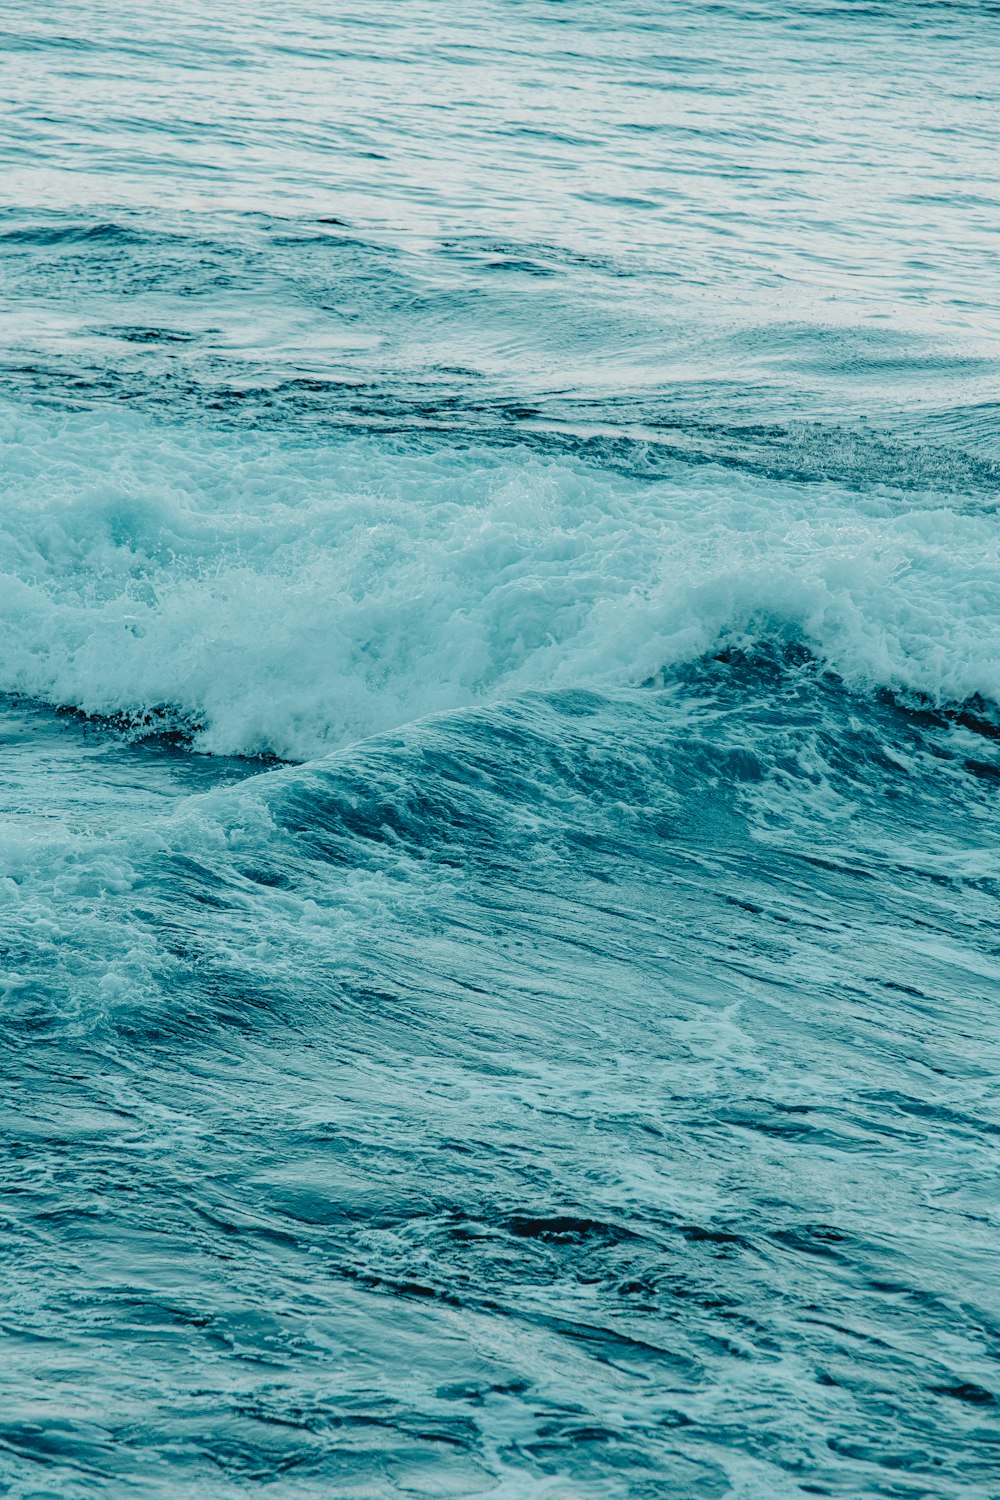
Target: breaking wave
point(275, 596)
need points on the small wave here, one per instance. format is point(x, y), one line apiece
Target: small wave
point(83, 232)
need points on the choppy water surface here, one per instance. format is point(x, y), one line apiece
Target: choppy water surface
point(499, 617)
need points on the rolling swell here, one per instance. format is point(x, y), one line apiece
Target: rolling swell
point(655, 1161)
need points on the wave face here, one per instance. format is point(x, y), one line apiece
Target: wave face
point(500, 702)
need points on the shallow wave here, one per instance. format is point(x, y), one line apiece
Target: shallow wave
point(277, 596)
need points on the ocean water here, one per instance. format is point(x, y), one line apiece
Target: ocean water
point(500, 727)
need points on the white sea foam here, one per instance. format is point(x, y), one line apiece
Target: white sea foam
point(291, 596)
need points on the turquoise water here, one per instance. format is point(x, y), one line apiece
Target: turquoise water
point(499, 682)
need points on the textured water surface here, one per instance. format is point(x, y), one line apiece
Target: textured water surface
point(499, 714)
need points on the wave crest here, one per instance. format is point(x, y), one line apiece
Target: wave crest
point(287, 597)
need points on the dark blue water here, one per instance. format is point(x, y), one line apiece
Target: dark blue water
point(500, 728)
